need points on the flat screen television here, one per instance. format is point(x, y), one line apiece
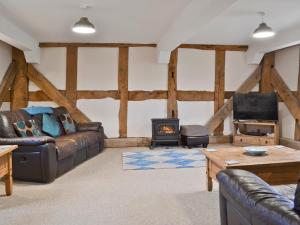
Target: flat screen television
point(255, 106)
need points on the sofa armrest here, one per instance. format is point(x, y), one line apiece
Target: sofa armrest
point(27, 141)
point(91, 126)
point(250, 195)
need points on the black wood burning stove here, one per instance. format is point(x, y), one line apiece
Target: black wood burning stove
point(165, 132)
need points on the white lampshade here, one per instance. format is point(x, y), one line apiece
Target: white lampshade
point(263, 31)
point(84, 26)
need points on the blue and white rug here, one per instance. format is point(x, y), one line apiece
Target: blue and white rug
point(163, 159)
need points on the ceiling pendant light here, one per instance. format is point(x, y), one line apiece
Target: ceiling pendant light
point(263, 30)
point(84, 26)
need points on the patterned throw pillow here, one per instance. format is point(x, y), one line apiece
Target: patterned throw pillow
point(27, 128)
point(67, 123)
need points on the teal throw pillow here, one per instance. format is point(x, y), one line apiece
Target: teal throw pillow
point(67, 123)
point(27, 128)
point(51, 126)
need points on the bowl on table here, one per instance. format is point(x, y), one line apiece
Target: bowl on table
point(255, 150)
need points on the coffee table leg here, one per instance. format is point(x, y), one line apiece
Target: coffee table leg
point(9, 179)
point(208, 178)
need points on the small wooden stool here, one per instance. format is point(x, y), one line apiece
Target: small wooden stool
point(194, 135)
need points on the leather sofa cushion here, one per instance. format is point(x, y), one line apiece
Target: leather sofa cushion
point(65, 148)
point(69, 144)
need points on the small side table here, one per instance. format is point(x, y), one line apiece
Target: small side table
point(6, 166)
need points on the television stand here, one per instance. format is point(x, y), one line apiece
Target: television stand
point(266, 133)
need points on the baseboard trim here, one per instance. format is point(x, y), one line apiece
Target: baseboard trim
point(145, 141)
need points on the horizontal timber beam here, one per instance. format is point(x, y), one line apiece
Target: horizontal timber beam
point(240, 48)
point(185, 96)
point(103, 45)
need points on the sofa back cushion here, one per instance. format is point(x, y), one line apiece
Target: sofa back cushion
point(51, 126)
point(7, 118)
point(27, 128)
point(68, 123)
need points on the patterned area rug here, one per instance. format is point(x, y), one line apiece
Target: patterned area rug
point(163, 159)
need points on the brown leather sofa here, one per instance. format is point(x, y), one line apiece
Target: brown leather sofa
point(245, 199)
point(42, 159)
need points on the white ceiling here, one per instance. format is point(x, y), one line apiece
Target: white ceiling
point(144, 21)
point(140, 21)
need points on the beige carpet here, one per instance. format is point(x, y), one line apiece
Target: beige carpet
point(100, 192)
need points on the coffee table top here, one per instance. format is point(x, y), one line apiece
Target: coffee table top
point(4, 149)
point(276, 155)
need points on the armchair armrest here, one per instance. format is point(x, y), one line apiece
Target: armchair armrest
point(91, 126)
point(251, 195)
point(27, 141)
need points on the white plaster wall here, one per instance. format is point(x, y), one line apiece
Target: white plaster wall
point(105, 111)
point(287, 64)
point(236, 70)
point(140, 114)
point(53, 67)
point(144, 73)
point(196, 70)
point(97, 69)
point(5, 60)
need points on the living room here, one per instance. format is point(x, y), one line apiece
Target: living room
point(149, 112)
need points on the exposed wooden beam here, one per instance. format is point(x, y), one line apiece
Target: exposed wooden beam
point(239, 48)
point(225, 110)
point(265, 85)
point(123, 90)
point(219, 86)
point(19, 97)
point(195, 95)
point(87, 94)
point(51, 91)
point(71, 73)
point(103, 45)
point(289, 99)
point(297, 122)
point(145, 95)
point(172, 85)
point(7, 81)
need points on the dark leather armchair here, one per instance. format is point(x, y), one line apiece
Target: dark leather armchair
point(245, 199)
point(44, 158)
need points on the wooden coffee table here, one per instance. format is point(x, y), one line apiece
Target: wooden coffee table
point(281, 165)
point(6, 166)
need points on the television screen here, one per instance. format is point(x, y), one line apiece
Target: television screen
point(255, 106)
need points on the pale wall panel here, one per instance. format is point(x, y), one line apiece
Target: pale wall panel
point(105, 111)
point(286, 121)
point(195, 112)
point(53, 67)
point(98, 68)
point(196, 70)
point(287, 64)
point(144, 71)
point(140, 115)
point(5, 60)
point(236, 70)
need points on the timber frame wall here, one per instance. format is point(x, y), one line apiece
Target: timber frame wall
point(19, 95)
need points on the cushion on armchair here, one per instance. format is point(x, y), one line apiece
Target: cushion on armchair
point(27, 128)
